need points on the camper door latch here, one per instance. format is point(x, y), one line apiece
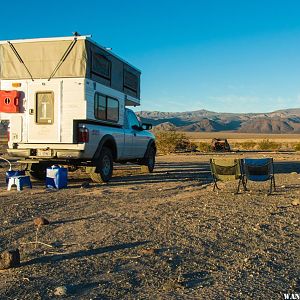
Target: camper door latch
point(31, 111)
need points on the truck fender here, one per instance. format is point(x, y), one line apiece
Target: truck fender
point(109, 142)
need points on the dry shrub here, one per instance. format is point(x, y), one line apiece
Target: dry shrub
point(266, 144)
point(173, 141)
point(204, 147)
point(248, 145)
point(297, 147)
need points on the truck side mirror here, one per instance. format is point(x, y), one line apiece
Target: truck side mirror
point(146, 126)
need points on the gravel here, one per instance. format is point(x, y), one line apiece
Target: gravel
point(164, 235)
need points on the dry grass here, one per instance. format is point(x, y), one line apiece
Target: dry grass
point(247, 141)
point(239, 137)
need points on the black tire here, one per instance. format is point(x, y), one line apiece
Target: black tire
point(104, 166)
point(150, 159)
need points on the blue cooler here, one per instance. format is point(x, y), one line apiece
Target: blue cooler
point(11, 173)
point(57, 177)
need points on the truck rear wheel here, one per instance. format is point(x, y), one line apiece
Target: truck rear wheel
point(38, 171)
point(104, 166)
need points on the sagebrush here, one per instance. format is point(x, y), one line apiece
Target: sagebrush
point(173, 141)
point(266, 144)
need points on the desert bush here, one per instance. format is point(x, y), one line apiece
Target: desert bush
point(248, 145)
point(204, 147)
point(266, 144)
point(297, 147)
point(173, 141)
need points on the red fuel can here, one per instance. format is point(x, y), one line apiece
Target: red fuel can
point(9, 101)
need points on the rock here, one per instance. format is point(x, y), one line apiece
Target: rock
point(294, 173)
point(148, 251)
point(295, 202)
point(61, 291)
point(40, 221)
point(9, 259)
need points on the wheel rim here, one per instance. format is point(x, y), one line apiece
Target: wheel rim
point(106, 165)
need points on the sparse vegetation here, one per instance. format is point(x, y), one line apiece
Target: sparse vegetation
point(266, 144)
point(248, 145)
point(172, 141)
point(297, 147)
point(204, 147)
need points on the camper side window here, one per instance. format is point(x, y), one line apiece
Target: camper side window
point(100, 106)
point(131, 81)
point(112, 109)
point(106, 108)
point(44, 107)
point(101, 66)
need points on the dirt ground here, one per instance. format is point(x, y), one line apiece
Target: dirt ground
point(164, 235)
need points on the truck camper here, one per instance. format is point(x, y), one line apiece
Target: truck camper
point(67, 103)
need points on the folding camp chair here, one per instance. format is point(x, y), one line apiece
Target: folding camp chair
point(226, 169)
point(259, 169)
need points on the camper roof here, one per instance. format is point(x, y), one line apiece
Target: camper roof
point(68, 38)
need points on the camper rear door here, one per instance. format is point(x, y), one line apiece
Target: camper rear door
point(44, 112)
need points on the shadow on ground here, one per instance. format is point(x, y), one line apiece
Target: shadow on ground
point(83, 253)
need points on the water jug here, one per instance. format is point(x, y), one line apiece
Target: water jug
point(57, 177)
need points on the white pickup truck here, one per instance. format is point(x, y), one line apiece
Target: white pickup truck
point(66, 100)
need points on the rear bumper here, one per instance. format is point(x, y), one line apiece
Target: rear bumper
point(61, 151)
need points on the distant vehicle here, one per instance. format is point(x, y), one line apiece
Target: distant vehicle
point(66, 102)
point(220, 145)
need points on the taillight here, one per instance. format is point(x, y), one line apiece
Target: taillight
point(83, 135)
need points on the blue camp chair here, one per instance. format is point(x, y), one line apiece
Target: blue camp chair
point(259, 169)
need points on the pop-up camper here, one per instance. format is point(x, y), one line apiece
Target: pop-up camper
point(66, 102)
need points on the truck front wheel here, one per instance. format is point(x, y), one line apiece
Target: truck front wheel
point(104, 166)
point(150, 159)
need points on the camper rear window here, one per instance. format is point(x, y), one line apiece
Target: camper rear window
point(44, 107)
point(101, 66)
point(106, 108)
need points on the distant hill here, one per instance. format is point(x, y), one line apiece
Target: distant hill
point(280, 121)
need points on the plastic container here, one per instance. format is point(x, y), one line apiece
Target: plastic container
point(56, 177)
point(14, 173)
point(9, 101)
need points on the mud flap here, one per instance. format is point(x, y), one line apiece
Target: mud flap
point(90, 170)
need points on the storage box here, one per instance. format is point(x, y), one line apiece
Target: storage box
point(57, 177)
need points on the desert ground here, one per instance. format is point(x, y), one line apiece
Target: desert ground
point(164, 235)
point(235, 139)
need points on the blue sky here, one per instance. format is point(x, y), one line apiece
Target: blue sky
point(220, 55)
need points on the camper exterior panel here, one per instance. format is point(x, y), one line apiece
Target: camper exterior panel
point(73, 107)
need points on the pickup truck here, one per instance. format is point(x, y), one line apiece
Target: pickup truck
point(98, 147)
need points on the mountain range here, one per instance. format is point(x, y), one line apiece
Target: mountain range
point(280, 121)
